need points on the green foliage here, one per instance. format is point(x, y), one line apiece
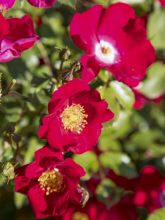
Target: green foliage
point(157, 215)
point(153, 85)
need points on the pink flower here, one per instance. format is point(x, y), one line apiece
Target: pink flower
point(17, 35)
point(50, 183)
point(114, 39)
point(76, 114)
point(42, 3)
point(7, 4)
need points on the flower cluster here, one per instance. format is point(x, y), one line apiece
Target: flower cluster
point(114, 39)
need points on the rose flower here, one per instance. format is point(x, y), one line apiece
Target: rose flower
point(50, 183)
point(76, 114)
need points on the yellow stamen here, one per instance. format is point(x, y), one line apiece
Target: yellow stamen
point(105, 50)
point(51, 181)
point(74, 118)
point(79, 216)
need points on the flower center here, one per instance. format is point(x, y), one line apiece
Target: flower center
point(51, 181)
point(105, 52)
point(74, 118)
point(79, 216)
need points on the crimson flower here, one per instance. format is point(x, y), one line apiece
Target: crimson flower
point(94, 209)
point(6, 4)
point(148, 188)
point(76, 114)
point(162, 2)
point(50, 183)
point(17, 35)
point(114, 39)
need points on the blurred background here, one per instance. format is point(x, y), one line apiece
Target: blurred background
point(135, 137)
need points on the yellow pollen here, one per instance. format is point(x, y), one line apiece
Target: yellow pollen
point(105, 50)
point(74, 118)
point(79, 216)
point(51, 181)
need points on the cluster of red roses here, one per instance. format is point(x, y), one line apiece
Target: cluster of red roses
point(114, 39)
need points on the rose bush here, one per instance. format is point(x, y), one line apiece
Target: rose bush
point(89, 77)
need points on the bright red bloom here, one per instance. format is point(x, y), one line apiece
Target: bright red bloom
point(114, 39)
point(17, 35)
point(76, 114)
point(148, 187)
point(141, 100)
point(124, 210)
point(6, 4)
point(92, 211)
point(50, 183)
point(162, 2)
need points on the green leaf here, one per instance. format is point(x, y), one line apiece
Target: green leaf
point(89, 162)
point(19, 200)
point(107, 94)
point(123, 94)
point(156, 30)
point(154, 85)
point(70, 3)
point(157, 215)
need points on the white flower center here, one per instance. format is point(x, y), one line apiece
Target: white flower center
point(105, 52)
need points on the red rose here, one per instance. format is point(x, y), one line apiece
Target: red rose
point(50, 183)
point(17, 35)
point(162, 2)
point(92, 211)
point(124, 210)
point(76, 114)
point(150, 189)
point(114, 39)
